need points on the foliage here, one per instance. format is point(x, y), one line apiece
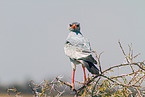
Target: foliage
point(102, 85)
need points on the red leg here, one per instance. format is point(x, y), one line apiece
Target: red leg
point(84, 73)
point(73, 79)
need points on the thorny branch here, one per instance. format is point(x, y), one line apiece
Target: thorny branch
point(127, 58)
point(102, 84)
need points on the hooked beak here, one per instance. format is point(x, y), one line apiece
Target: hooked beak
point(74, 26)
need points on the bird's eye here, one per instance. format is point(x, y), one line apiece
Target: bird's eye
point(70, 25)
point(77, 25)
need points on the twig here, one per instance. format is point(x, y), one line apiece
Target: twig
point(138, 91)
point(123, 65)
point(118, 83)
point(98, 58)
point(124, 75)
point(135, 73)
point(139, 79)
point(30, 85)
point(123, 51)
point(80, 89)
point(136, 55)
point(125, 55)
point(64, 82)
point(95, 85)
point(143, 68)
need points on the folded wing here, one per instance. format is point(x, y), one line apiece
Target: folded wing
point(77, 47)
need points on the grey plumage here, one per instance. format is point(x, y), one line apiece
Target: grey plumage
point(91, 67)
point(78, 49)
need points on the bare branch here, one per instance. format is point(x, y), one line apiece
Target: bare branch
point(98, 58)
point(125, 55)
point(124, 75)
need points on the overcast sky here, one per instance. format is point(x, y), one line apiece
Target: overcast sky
point(33, 33)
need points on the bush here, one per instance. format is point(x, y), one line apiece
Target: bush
point(122, 85)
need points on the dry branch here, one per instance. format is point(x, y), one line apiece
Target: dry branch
point(101, 85)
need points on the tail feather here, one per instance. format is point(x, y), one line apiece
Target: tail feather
point(91, 67)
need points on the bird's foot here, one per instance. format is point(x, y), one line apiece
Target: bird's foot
point(73, 87)
point(85, 82)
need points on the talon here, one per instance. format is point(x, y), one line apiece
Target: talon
point(85, 83)
point(73, 87)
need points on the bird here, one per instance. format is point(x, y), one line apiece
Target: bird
point(78, 49)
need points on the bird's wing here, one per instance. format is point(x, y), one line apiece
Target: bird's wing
point(77, 47)
point(89, 58)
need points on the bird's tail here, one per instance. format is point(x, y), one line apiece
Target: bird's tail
point(91, 67)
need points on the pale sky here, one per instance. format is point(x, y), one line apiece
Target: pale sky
point(33, 33)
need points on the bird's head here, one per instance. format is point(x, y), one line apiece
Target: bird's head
point(75, 26)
